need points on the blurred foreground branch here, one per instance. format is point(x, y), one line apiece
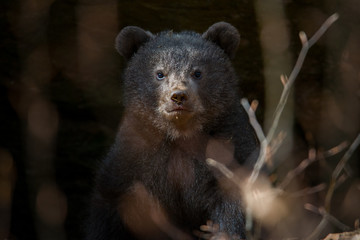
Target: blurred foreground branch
point(256, 197)
point(355, 235)
point(272, 141)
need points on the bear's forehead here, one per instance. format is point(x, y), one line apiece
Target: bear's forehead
point(181, 43)
point(182, 47)
point(178, 38)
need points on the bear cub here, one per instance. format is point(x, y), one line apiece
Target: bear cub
point(182, 106)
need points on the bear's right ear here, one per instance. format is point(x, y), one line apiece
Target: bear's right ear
point(129, 40)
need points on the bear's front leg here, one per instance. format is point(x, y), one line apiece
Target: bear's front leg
point(226, 222)
point(211, 231)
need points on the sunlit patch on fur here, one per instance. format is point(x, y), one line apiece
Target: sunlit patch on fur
point(144, 216)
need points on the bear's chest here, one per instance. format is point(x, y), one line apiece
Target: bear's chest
point(180, 167)
point(186, 164)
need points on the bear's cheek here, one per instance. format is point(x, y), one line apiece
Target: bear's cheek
point(213, 99)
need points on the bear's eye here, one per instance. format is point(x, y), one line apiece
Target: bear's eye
point(160, 76)
point(197, 74)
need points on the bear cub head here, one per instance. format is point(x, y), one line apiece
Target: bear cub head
point(180, 83)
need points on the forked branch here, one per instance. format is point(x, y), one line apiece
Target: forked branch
point(288, 84)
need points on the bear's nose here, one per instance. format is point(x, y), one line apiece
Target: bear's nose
point(179, 97)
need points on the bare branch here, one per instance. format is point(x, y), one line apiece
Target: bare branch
point(252, 117)
point(261, 136)
point(305, 47)
point(288, 83)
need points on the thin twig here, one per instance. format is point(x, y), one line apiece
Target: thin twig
point(221, 167)
point(276, 144)
point(318, 229)
point(335, 150)
point(337, 171)
point(299, 169)
point(346, 157)
point(252, 117)
point(308, 191)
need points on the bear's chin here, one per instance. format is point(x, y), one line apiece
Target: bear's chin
point(174, 133)
point(182, 125)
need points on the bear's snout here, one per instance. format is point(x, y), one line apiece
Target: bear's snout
point(179, 97)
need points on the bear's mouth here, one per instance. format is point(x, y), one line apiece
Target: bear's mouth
point(179, 109)
point(179, 113)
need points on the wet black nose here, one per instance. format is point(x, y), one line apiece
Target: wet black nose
point(179, 97)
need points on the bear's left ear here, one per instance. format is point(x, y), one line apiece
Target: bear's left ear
point(129, 40)
point(225, 36)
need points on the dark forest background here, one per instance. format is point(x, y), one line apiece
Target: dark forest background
point(60, 99)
